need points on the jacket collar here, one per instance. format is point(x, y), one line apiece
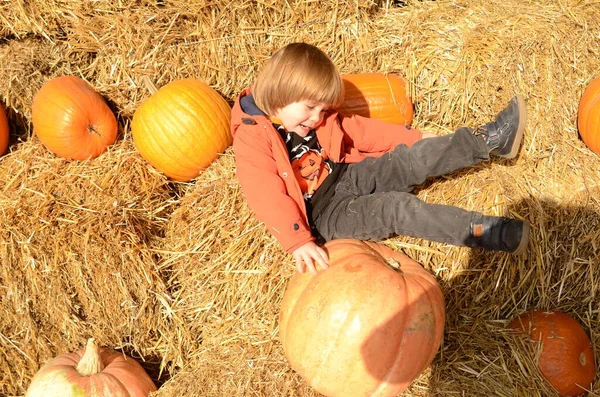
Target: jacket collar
point(249, 106)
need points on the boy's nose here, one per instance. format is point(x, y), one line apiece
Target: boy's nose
point(316, 117)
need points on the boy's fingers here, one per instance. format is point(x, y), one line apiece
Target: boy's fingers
point(322, 257)
point(308, 260)
point(311, 267)
point(322, 263)
point(299, 264)
point(323, 254)
point(310, 264)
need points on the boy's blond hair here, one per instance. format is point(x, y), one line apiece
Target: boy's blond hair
point(297, 72)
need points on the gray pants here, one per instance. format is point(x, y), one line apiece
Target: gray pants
point(373, 199)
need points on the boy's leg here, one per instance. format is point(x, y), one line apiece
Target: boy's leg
point(372, 202)
point(406, 167)
point(382, 215)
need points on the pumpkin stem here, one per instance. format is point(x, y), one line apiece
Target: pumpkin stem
point(91, 129)
point(391, 262)
point(90, 363)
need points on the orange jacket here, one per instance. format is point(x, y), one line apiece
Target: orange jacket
point(266, 176)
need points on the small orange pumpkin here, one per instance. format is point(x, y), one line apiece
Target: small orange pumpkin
point(4, 131)
point(588, 116)
point(566, 360)
point(72, 120)
point(361, 327)
point(181, 129)
point(377, 96)
point(91, 372)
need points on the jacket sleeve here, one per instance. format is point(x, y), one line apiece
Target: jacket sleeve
point(265, 190)
point(376, 136)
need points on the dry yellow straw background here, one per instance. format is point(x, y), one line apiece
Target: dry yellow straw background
point(183, 278)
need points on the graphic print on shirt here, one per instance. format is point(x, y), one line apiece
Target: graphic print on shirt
point(308, 160)
point(310, 169)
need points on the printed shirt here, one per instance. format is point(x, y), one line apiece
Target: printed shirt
point(309, 161)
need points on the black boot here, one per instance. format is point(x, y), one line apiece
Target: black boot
point(499, 234)
point(504, 135)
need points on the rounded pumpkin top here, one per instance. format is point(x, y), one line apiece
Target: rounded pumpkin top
point(72, 120)
point(181, 129)
point(588, 116)
point(360, 327)
point(566, 360)
point(378, 96)
point(91, 372)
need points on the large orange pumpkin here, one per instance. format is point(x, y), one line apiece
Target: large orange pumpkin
point(181, 129)
point(4, 131)
point(566, 359)
point(91, 372)
point(377, 96)
point(72, 120)
point(361, 327)
point(588, 116)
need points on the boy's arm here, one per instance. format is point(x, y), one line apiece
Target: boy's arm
point(265, 191)
point(376, 136)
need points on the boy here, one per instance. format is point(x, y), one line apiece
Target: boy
point(308, 172)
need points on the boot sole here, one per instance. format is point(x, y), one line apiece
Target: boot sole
point(524, 239)
point(520, 129)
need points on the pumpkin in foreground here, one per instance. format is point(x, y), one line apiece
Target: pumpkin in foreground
point(72, 120)
point(588, 116)
point(362, 327)
point(91, 372)
point(377, 96)
point(4, 131)
point(181, 129)
point(566, 360)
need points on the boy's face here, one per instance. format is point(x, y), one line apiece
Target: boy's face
point(302, 116)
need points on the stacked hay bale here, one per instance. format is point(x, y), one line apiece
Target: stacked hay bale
point(181, 275)
point(77, 256)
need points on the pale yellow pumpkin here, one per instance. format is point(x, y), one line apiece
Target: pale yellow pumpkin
point(362, 328)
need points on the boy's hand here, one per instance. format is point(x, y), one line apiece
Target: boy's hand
point(306, 255)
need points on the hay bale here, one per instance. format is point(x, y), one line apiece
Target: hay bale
point(76, 257)
point(227, 277)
